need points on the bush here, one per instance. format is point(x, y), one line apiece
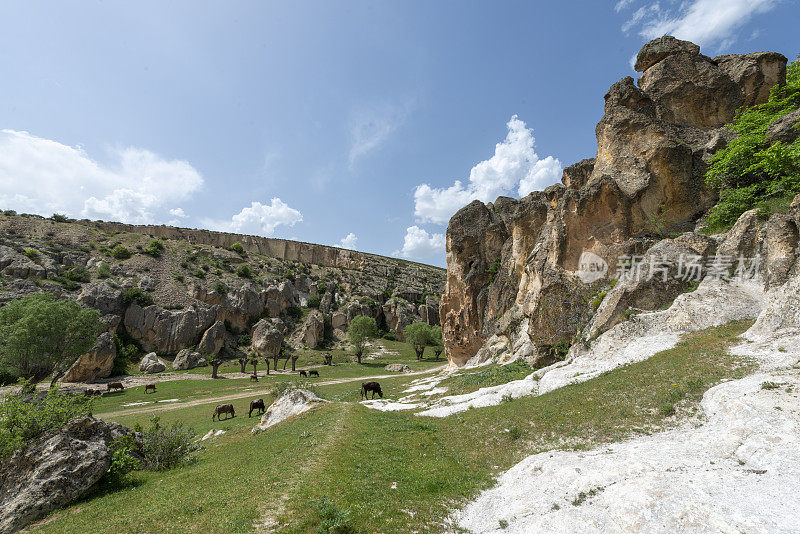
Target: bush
point(154, 249)
point(122, 462)
point(57, 217)
point(31, 253)
point(120, 252)
point(294, 312)
point(244, 340)
point(244, 272)
point(134, 294)
point(126, 354)
point(238, 248)
point(166, 447)
point(221, 288)
point(313, 301)
point(749, 174)
point(199, 273)
point(389, 336)
point(22, 420)
point(329, 518)
point(103, 270)
point(9, 213)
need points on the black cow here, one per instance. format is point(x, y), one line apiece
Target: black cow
point(374, 387)
point(313, 373)
point(256, 405)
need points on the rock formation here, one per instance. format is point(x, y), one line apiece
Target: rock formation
point(97, 363)
point(55, 470)
point(151, 364)
point(292, 402)
point(513, 266)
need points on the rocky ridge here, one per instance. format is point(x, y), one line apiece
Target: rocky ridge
point(514, 286)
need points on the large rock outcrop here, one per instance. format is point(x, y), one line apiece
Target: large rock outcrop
point(55, 470)
point(516, 263)
point(97, 363)
point(292, 402)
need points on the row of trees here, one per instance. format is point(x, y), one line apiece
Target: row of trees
point(420, 335)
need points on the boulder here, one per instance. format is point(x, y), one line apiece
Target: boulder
point(786, 129)
point(266, 338)
point(291, 402)
point(102, 297)
point(213, 339)
point(55, 470)
point(151, 363)
point(312, 332)
point(657, 49)
point(97, 363)
point(186, 359)
point(12, 263)
point(339, 321)
point(397, 368)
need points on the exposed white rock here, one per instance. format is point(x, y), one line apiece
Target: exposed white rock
point(291, 402)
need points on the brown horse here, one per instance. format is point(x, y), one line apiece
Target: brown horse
point(253, 378)
point(374, 387)
point(150, 387)
point(223, 409)
point(256, 405)
point(115, 386)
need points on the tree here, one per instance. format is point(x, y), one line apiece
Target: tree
point(361, 329)
point(41, 335)
point(436, 340)
point(419, 335)
point(215, 363)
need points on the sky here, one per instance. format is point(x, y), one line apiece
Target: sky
point(360, 124)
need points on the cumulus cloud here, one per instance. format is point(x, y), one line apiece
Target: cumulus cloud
point(178, 212)
point(44, 176)
point(704, 22)
point(514, 168)
point(259, 219)
point(349, 241)
point(419, 244)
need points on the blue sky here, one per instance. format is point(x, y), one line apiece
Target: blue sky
point(366, 124)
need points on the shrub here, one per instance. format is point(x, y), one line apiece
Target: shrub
point(103, 270)
point(126, 354)
point(389, 336)
point(122, 462)
point(22, 420)
point(120, 252)
point(294, 312)
point(199, 273)
point(244, 272)
point(244, 340)
point(329, 518)
point(221, 288)
point(154, 249)
point(134, 294)
point(749, 174)
point(9, 213)
point(31, 253)
point(166, 447)
point(178, 277)
point(238, 248)
point(57, 217)
point(313, 301)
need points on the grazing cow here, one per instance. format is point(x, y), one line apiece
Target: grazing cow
point(88, 392)
point(253, 378)
point(256, 405)
point(303, 373)
point(313, 373)
point(150, 387)
point(374, 387)
point(115, 385)
point(223, 409)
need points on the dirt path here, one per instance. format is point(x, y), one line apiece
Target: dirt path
point(252, 393)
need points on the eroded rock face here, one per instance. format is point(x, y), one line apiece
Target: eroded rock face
point(97, 363)
point(55, 470)
point(267, 337)
point(213, 339)
point(521, 257)
point(168, 331)
point(312, 332)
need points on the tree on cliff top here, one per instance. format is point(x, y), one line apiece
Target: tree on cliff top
point(41, 335)
point(361, 330)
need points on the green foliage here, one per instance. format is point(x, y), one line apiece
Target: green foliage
point(244, 271)
point(166, 447)
point(9, 213)
point(57, 217)
point(155, 248)
point(103, 270)
point(749, 174)
point(126, 354)
point(559, 350)
point(120, 252)
point(42, 335)
point(123, 462)
point(313, 301)
point(419, 335)
point(493, 269)
point(244, 340)
point(22, 420)
point(134, 294)
point(329, 518)
point(178, 277)
point(221, 288)
point(31, 253)
point(238, 248)
point(199, 273)
point(362, 329)
point(71, 277)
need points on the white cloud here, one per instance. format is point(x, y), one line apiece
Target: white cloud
point(514, 166)
point(371, 126)
point(45, 176)
point(419, 244)
point(622, 4)
point(704, 22)
point(259, 219)
point(178, 212)
point(349, 241)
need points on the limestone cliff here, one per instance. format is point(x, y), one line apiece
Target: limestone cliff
point(512, 265)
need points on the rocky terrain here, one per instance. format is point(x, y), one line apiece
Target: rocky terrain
point(514, 285)
point(189, 295)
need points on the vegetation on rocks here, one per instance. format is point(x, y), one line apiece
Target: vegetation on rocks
point(752, 172)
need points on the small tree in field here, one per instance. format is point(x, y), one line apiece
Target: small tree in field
point(41, 335)
point(419, 335)
point(361, 330)
point(215, 363)
point(436, 340)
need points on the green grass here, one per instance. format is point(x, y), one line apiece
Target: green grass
point(393, 471)
point(490, 375)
